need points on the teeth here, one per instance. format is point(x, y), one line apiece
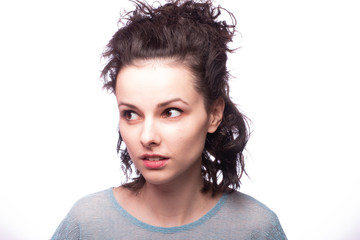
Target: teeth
point(154, 159)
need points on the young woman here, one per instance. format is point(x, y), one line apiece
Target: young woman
point(180, 135)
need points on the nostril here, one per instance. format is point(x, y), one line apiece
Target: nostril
point(149, 137)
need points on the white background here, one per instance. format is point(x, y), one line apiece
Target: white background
point(296, 77)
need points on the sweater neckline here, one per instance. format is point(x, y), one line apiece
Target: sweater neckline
point(153, 228)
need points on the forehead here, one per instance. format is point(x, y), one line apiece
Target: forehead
point(159, 79)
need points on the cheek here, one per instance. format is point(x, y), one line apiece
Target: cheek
point(188, 138)
point(129, 137)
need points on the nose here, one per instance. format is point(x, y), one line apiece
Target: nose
point(150, 135)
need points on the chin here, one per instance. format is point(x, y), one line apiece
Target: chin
point(157, 180)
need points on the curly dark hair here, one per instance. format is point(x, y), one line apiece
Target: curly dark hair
point(191, 33)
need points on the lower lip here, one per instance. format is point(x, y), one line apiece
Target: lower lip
point(154, 164)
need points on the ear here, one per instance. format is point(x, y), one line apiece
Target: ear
point(216, 115)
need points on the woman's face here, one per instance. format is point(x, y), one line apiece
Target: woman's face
point(163, 120)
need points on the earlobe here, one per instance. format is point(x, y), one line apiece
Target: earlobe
point(216, 115)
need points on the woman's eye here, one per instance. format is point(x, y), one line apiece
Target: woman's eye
point(172, 112)
point(130, 115)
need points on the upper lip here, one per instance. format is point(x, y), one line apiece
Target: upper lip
point(148, 156)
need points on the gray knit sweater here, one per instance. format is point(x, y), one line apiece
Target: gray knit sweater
point(235, 216)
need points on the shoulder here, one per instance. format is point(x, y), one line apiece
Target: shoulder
point(92, 204)
point(252, 216)
point(94, 198)
point(243, 203)
point(84, 212)
point(248, 207)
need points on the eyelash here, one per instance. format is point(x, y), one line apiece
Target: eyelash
point(166, 112)
point(126, 114)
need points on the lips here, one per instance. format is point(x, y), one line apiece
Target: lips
point(154, 161)
point(153, 157)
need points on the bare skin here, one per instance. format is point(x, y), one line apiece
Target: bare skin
point(166, 208)
point(164, 125)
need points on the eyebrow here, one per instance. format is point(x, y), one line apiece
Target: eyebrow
point(127, 104)
point(163, 104)
point(171, 101)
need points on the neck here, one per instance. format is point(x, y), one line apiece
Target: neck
point(174, 204)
